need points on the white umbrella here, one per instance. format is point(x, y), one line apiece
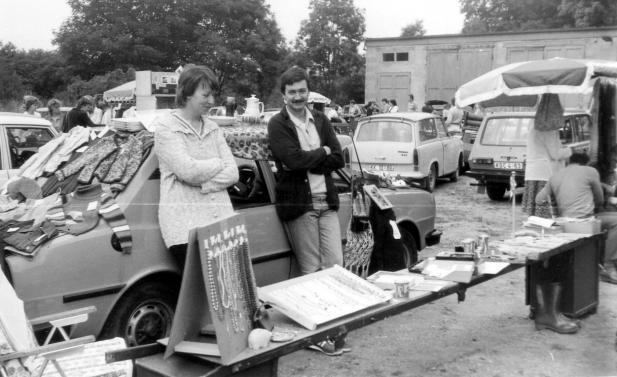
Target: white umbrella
point(555, 75)
point(122, 93)
point(315, 97)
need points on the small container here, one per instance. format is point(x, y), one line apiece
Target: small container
point(483, 243)
point(469, 245)
point(401, 289)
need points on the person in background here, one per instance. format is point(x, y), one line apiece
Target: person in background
point(354, 109)
point(427, 108)
point(385, 105)
point(579, 194)
point(412, 106)
point(106, 111)
point(78, 116)
point(55, 116)
point(545, 156)
point(306, 152)
point(371, 108)
point(455, 115)
point(31, 103)
point(393, 106)
point(195, 161)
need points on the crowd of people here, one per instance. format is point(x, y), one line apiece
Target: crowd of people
point(90, 111)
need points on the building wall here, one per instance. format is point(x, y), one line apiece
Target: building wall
point(438, 65)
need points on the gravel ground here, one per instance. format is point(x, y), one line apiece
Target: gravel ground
point(488, 334)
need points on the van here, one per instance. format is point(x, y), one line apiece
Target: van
point(500, 147)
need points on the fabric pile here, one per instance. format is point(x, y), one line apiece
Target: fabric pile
point(67, 186)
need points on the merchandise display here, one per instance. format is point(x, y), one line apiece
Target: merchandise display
point(323, 296)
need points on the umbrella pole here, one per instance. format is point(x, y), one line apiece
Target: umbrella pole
point(513, 197)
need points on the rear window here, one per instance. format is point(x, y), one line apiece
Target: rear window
point(506, 131)
point(385, 131)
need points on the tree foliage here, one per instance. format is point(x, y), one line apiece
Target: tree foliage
point(414, 29)
point(486, 16)
point(327, 44)
point(239, 39)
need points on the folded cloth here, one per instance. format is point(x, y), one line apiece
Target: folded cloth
point(24, 188)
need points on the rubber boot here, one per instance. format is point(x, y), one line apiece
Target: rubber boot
point(548, 315)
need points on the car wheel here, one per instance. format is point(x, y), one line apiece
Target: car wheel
point(496, 192)
point(454, 175)
point(411, 250)
point(144, 314)
point(431, 179)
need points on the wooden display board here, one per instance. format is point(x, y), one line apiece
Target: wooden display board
point(218, 291)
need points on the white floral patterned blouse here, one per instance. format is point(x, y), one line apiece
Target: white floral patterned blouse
point(195, 171)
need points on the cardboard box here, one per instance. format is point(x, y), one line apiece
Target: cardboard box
point(591, 226)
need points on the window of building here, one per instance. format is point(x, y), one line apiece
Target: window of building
point(402, 56)
point(388, 57)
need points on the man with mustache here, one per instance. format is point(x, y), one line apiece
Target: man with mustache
point(306, 151)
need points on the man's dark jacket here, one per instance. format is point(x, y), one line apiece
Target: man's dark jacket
point(76, 117)
point(293, 190)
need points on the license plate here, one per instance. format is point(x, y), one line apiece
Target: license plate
point(382, 167)
point(508, 165)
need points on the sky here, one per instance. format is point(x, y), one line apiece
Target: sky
point(30, 24)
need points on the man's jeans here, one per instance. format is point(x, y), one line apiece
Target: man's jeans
point(316, 237)
point(609, 223)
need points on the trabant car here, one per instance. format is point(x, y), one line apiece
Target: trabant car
point(415, 146)
point(135, 294)
point(500, 147)
point(21, 136)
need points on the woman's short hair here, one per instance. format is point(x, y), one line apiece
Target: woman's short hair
point(84, 100)
point(293, 75)
point(579, 158)
point(52, 103)
point(29, 101)
point(191, 77)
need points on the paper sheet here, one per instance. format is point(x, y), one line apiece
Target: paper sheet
point(491, 268)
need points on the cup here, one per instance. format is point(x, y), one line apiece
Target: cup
point(401, 289)
point(469, 245)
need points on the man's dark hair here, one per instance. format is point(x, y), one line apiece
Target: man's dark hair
point(293, 75)
point(411, 96)
point(579, 158)
point(384, 100)
point(427, 108)
point(393, 102)
point(191, 77)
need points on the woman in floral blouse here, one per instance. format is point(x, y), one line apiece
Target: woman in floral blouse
point(195, 162)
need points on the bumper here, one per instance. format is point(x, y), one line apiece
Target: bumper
point(434, 237)
point(496, 176)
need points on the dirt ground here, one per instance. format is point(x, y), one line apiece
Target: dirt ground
point(488, 334)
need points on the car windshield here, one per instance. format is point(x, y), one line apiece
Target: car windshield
point(507, 131)
point(385, 130)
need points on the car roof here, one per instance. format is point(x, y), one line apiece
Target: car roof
point(532, 114)
point(412, 116)
point(17, 118)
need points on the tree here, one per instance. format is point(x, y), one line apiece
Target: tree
point(484, 16)
point(238, 39)
point(415, 29)
point(327, 45)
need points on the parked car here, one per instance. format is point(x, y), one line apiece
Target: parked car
point(21, 136)
point(414, 145)
point(217, 111)
point(135, 294)
point(500, 147)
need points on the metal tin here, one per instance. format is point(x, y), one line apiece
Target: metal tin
point(401, 289)
point(469, 245)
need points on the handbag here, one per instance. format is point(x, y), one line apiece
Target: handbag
point(360, 242)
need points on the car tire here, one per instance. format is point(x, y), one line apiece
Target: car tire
point(496, 192)
point(144, 314)
point(454, 175)
point(431, 179)
point(411, 248)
